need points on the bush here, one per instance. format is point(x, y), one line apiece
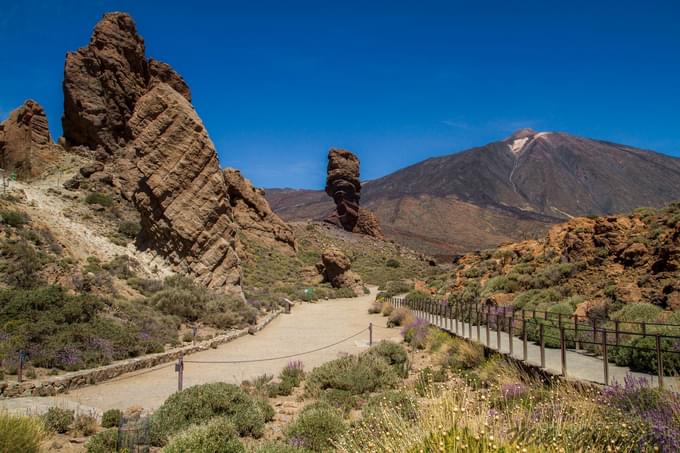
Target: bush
point(387, 309)
point(112, 418)
point(85, 424)
point(57, 419)
point(342, 400)
point(392, 263)
point(316, 427)
point(129, 229)
point(279, 447)
point(357, 374)
point(376, 307)
point(394, 354)
point(216, 436)
point(22, 265)
point(416, 294)
point(395, 288)
point(399, 401)
point(99, 198)
point(20, 434)
point(15, 219)
point(293, 373)
point(203, 402)
point(399, 316)
point(103, 442)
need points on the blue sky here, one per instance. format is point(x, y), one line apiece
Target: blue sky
point(278, 83)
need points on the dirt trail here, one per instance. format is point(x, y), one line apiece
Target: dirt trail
point(308, 327)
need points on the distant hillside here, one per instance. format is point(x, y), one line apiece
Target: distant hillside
point(506, 190)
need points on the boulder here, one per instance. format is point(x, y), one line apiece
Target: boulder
point(171, 173)
point(253, 215)
point(91, 169)
point(26, 147)
point(335, 268)
point(344, 186)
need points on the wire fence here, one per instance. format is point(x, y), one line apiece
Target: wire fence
point(650, 346)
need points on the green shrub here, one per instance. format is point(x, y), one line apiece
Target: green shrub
point(342, 400)
point(401, 402)
point(637, 312)
point(99, 198)
point(293, 373)
point(185, 299)
point(112, 418)
point(316, 427)
point(500, 283)
point(279, 447)
point(216, 436)
point(58, 420)
point(394, 288)
point(129, 229)
point(103, 442)
point(392, 263)
point(22, 264)
point(641, 356)
point(357, 374)
point(415, 294)
point(203, 402)
point(552, 275)
point(20, 434)
point(15, 219)
point(394, 354)
point(85, 424)
point(536, 298)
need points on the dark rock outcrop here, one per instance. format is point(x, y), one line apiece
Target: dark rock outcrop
point(171, 173)
point(344, 186)
point(25, 143)
point(104, 80)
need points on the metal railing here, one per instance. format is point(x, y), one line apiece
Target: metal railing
point(550, 330)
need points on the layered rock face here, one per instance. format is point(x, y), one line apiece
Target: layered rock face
point(137, 113)
point(344, 186)
point(172, 175)
point(253, 215)
point(25, 143)
point(104, 80)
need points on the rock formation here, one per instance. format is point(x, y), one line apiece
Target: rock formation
point(172, 175)
point(335, 268)
point(25, 143)
point(253, 214)
point(137, 114)
point(104, 80)
point(344, 186)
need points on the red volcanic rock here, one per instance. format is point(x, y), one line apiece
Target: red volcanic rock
point(104, 80)
point(25, 143)
point(171, 173)
point(344, 186)
point(253, 214)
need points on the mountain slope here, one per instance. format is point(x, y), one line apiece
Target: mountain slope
point(506, 190)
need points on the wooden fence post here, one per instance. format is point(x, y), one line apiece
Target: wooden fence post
point(498, 332)
point(370, 334)
point(542, 343)
point(525, 352)
point(659, 360)
point(488, 333)
point(563, 352)
point(179, 369)
point(511, 325)
point(605, 357)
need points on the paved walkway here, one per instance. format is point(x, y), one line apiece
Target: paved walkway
point(580, 365)
point(308, 327)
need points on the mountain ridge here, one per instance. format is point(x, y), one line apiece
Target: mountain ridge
point(517, 186)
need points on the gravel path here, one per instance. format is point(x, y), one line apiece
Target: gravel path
point(308, 327)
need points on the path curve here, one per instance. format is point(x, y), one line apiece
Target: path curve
point(309, 326)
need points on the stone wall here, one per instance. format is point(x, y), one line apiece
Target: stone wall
point(61, 384)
